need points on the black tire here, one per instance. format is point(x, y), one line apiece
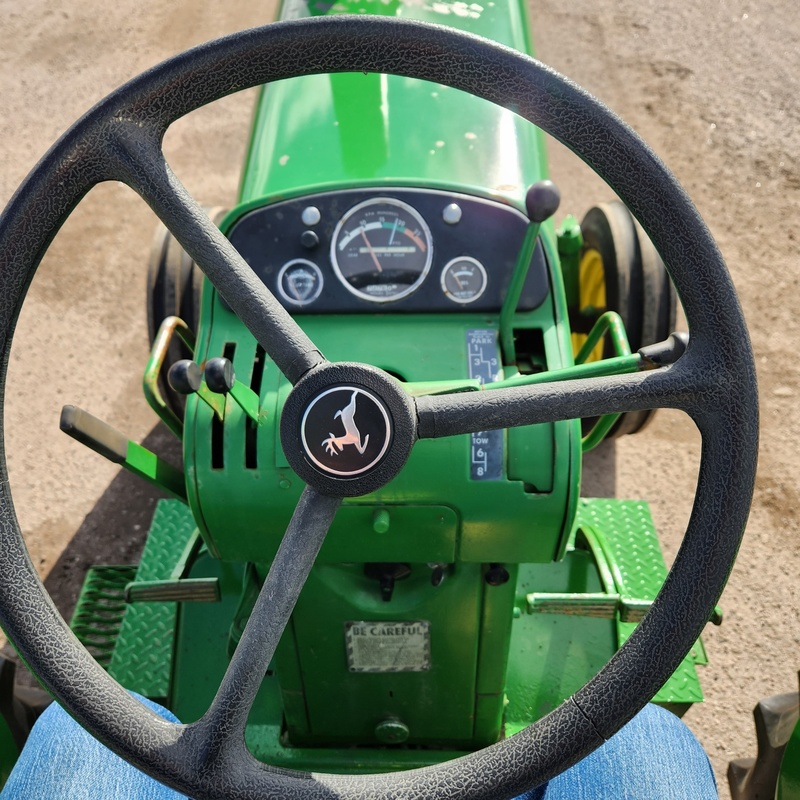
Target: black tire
point(637, 287)
point(174, 287)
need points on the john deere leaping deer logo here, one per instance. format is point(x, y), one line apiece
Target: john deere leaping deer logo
point(345, 415)
point(335, 444)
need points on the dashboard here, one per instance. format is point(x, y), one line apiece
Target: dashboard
point(398, 250)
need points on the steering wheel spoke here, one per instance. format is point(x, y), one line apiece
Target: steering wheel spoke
point(470, 412)
point(224, 723)
point(145, 169)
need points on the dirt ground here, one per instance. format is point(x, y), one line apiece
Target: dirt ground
point(712, 87)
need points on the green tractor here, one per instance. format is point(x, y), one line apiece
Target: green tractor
point(383, 366)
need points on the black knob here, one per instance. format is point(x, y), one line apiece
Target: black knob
point(184, 376)
point(497, 575)
point(220, 376)
point(309, 239)
point(386, 574)
point(542, 201)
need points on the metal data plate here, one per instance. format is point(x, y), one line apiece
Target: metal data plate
point(486, 447)
point(388, 646)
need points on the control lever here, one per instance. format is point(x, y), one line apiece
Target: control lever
point(221, 378)
point(387, 573)
point(541, 202)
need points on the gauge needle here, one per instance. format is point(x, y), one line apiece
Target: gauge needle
point(394, 230)
point(371, 251)
point(293, 286)
point(460, 285)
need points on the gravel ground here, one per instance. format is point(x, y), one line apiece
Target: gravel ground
point(712, 88)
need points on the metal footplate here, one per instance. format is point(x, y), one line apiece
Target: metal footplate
point(624, 541)
point(142, 658)
point(100, 609)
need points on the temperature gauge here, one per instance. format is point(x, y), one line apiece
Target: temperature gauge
point(464, 280)
point(300, 282)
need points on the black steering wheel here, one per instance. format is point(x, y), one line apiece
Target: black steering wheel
point(714, 382)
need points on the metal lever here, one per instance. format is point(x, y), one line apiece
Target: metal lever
point(221, 378)
point(115, 446)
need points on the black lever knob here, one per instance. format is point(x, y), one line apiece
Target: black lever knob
point(219, 375)
point(184, 376)
point(542, 201)
point(497, 575)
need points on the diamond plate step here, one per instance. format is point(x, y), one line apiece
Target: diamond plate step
point(630, 545)
point(100, 609)
point(143, 655)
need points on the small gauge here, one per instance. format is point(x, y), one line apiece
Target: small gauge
point(381, 250)
point(300, 282)
point(464, 280)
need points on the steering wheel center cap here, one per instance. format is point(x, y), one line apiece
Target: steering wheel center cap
point(347, 429)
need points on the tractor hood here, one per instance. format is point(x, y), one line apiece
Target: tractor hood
point(323, 131)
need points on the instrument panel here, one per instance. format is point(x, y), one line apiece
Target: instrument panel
point(404, 250)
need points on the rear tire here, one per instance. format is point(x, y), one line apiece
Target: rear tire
point(617, 253)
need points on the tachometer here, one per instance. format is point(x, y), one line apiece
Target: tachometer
point(381, 250)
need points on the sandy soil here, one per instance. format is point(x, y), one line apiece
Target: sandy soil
point(712, 88)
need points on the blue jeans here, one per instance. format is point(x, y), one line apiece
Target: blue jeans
point(654, 757)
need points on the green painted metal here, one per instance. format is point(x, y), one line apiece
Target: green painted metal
point(321, 131)
point(789, 776)
point(618, 365)
point(509, 309)
point(9, 751)
point(247, 400)
point(552, 655)
point(609, 324)
point(570, 242)
point(626, 539)
point(200, 655)
point(614, 554)
point(98, 613)
point(216, 402)
point(244, 509)
point(143, 654)
point(147, 465)
point(336, 594)
point(614, 562)
point(599, 431)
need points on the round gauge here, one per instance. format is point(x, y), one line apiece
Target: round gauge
point(464, 280)
point(381, 250)
point(300, 282)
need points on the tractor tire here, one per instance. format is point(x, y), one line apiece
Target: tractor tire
point(174, 287)
point(618, 256)
point(775, 720)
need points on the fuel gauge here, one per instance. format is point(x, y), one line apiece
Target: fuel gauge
point(464, 280)
point(300, 282)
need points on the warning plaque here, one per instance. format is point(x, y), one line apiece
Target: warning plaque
point(388, 646)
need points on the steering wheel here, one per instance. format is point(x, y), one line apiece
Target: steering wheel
point(714, 382)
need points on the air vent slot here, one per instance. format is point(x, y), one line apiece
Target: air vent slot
point(251, 429)
point(217, 427)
